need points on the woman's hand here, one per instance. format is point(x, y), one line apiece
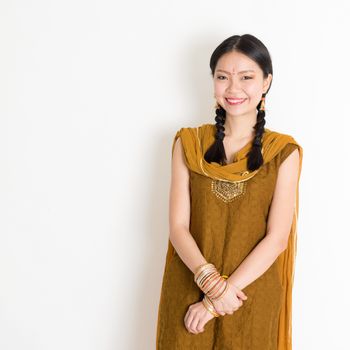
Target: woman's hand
point(231, 301)
point(197, 317)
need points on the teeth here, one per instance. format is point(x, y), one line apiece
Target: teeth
point(234, 100)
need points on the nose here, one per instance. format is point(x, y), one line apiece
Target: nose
point(234, 84)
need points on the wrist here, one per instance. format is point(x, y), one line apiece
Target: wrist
point(233, 283)
point(210, 281)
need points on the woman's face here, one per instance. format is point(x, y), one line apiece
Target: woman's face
point(237, 76)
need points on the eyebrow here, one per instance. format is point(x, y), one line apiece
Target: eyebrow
point(243, 71)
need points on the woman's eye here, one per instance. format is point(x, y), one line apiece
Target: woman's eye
point(246, 77)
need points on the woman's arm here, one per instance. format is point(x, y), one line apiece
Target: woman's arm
point(278, 226)
point(179, 212)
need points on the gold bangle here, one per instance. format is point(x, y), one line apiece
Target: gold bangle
point(222, 294)
point(210, 308)
point(212, 285)
point(201, 268)
point(214, 293)
point(212, 312)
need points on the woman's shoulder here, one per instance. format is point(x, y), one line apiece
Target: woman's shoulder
point(278, 135)
point(289, 143)
point(202, 131)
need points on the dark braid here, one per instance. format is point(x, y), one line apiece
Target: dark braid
point(216, 152)
point(255, 157)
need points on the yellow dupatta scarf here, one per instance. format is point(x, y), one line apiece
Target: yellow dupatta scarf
point(195, 142)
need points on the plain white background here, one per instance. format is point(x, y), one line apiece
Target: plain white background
point(91, 95)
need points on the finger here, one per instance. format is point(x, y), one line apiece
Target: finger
point(242, 295)
point(186, 318)
point(200, 326)
point(188, 322)
point(238, 305)
point(221, 313)
point(194, 325)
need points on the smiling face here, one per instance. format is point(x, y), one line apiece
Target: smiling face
point(239, 84)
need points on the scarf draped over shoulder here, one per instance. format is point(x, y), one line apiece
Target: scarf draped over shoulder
point(195, 141)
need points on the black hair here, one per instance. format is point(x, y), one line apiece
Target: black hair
point(252, 47)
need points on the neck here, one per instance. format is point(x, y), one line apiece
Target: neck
point(240, 127)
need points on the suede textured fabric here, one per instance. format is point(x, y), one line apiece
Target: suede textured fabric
point(226, 232)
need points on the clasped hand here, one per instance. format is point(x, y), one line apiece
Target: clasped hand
point(197, 315)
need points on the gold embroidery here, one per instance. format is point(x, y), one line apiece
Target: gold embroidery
point(228, 191)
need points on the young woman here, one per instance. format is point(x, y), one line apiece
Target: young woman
point(233, 214)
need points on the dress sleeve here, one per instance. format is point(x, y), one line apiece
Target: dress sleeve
point(286, 151)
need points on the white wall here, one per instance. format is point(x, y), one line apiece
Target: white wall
point(91, 95)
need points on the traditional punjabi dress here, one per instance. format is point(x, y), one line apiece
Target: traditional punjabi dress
point(229, 212)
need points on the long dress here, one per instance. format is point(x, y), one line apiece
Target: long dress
point(226, 226)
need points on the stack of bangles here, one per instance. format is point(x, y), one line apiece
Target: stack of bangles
point(212, 284)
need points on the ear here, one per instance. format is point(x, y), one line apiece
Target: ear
point(267, 82)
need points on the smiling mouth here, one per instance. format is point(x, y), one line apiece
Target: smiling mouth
point(235, 101)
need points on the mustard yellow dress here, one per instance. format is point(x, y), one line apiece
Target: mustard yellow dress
point(227, 223)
